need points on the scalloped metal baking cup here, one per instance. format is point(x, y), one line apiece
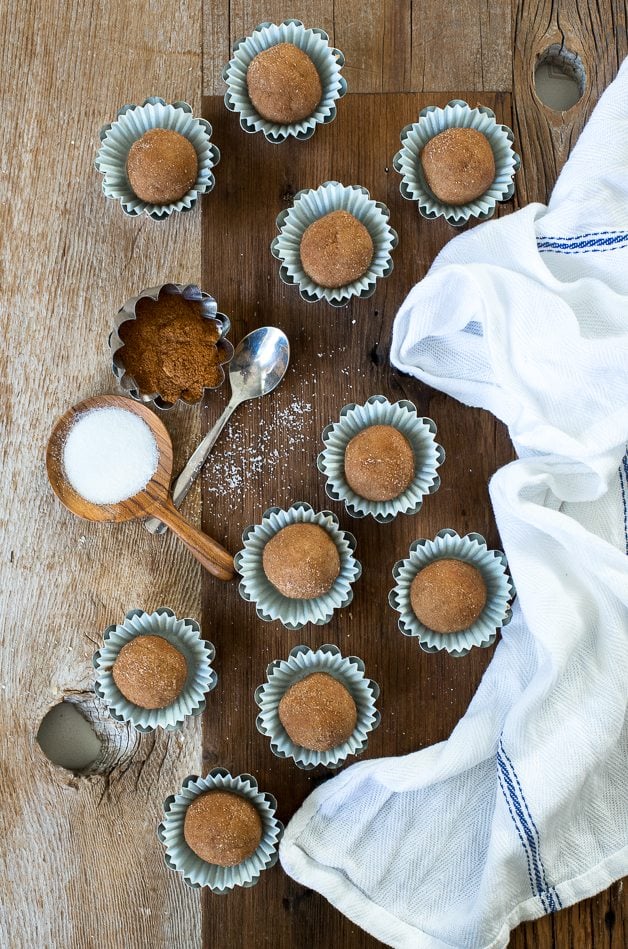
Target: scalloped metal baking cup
point(420, 433)
point(196, 872)
point(209, 310)
point(327, 60)
point(269, 602)
point(133, 121)
point(432, 121)
point(184, 635)
point(302, 662)
point(310, 205)
point(492, 564)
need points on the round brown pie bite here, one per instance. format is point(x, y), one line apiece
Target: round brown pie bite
point(336, 250)
point(150, 672)
point(459, 165)
point(283, 84)
point(222, 827)
point(301, 561)
point(318, 712)
point(448, 595)
point(162, 166)
point(379, 463)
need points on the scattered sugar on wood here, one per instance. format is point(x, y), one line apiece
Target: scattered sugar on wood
point(251, 453)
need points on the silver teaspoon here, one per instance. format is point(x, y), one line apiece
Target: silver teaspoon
point(259, 364)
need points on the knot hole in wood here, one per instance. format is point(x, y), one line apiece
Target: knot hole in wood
point(79, 735)
point(559, 78)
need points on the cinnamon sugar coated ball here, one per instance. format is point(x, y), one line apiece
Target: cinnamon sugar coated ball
point(318, 712)
point(458, 165)
point(379, 463)
point(162, 166)
point(283, 83)
point(150, 672)
point(448, 595)
point(301, 561)
point(222, 828)
point(336, 249)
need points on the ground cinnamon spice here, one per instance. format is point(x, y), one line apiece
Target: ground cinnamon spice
point(170, 348)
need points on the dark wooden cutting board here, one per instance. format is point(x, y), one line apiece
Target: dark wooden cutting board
point(268, 457)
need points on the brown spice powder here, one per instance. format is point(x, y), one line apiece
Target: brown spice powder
point(170, 348)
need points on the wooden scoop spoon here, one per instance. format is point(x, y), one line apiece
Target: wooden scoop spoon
point(154, 499)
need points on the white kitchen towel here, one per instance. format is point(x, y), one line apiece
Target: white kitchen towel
point(524, 809)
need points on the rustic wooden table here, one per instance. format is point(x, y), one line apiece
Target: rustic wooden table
point(82, 864)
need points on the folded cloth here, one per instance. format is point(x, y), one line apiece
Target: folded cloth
point(524, 809)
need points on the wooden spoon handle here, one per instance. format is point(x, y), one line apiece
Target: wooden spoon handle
point(207, 551)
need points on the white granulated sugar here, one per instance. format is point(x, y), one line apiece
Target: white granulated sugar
point(109, 455)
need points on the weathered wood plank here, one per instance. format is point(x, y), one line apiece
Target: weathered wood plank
point(394, 46)
point(377, 40)
point(464, 46)
point(81, 863)
point(597, 33)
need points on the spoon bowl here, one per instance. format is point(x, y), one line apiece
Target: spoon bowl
point(151, 500)
point(259, 363)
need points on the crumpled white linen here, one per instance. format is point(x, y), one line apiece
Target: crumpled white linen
point(524, 809)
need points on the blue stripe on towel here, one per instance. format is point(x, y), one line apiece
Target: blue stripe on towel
point(526, 829)
point(523, 843)
point(522, 825)
point(549, 889)
point(576, 237)
point(623, 484)
point(591, 243)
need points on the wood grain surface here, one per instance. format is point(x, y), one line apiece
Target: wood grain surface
point(79, 862)
point(596, 33)
point(267, 456)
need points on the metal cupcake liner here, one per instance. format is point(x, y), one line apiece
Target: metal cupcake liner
point(420, 432)
point(432, 121)
point(133, 121)
point(492, 564)
point(209, 309)
point(184, 635)
point(314, 43)
point(270, 603)
point(196, 872)
point(303, 662)
point(310, 205)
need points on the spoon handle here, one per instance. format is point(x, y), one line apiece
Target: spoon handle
point(207, 551)
point(190, 473)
